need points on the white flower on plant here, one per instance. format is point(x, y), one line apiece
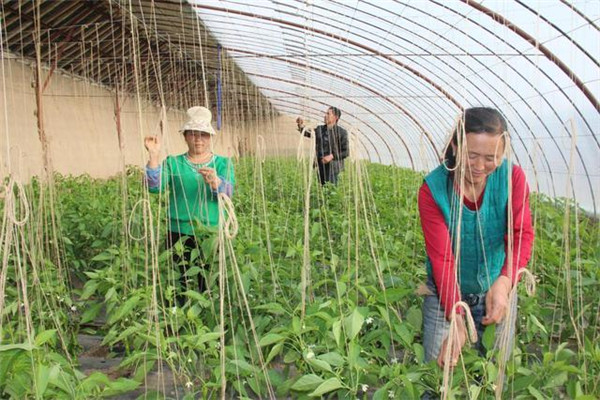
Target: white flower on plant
point(394, 360)
point(73, 308)
point(310, 354)
point(364, 387)
point(189, 360)
point(369, 320)
point(391, 394)
point(189, 384)
point(174, 310)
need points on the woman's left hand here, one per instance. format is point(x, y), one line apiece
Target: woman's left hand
point(210, 177)
point(496, 301)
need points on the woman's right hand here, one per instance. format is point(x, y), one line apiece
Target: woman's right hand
point(152, 144)
point(459, 341)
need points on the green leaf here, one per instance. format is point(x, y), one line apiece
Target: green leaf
point(474, 391)
point(208, 337)
point(394, 295)
point(270, 339)
point(337, 331)
point(492, 372)
point(538, 323)
point(381, 393)
point(121, 385)
point(195, 253)
point(307, 382)
point(291, 356)
point(45, 337)
point(319, 364)
point(419, 352)
point(272, 308)
point(19, 346)
point(353, 324)
point(329, 385)
point(104, 256)
point(194, 295)
point(125, 334)
point(91, 313)
point(405, 334)
point(385, 315)
point(42, 378)
point(124, 309)
point(192, 271)
point(89, 289)
point(414, 316)
point(354, 350)
point(276, 350)
point(523, 382)
point(245, 366)
point(110, 293)
point(536, 393)
point(332, 358)
point(296, 328)
point(489, 335)
point(557, 379)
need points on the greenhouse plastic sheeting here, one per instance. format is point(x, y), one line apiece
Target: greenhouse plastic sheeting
point(401, 71)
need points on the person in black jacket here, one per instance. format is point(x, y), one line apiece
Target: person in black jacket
point(331, 145)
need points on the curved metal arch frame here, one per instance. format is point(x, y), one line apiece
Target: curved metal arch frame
point(317, 112)
point(523, 120)
point(386, 144)
point(382, 83)
point(516, 112)
point(354, 103)
point(418, 74)
point(398, 136)
point(541, 121)
point(287, 61)
point(305, 85)
point(364, 87)
point(402, 109)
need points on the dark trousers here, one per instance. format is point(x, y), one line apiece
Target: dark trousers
point(184, 262)
point(328, 173)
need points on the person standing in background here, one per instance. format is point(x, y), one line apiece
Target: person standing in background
point(331, 145)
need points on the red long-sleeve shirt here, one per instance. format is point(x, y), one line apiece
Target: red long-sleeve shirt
point(438, 243)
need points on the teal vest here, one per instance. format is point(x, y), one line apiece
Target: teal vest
point(482, 246)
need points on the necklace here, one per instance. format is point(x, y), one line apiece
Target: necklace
point(194, 165)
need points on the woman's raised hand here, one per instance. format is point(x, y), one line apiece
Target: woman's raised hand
point(152, 144)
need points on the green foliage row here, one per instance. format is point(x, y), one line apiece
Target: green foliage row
point(360, 333)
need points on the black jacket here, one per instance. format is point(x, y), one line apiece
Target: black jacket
point(330, 141)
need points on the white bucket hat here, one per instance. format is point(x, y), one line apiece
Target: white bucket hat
point(199, 119)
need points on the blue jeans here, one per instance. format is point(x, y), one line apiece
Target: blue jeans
point(435, 325)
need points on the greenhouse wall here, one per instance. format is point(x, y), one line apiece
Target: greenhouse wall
point(87, 130)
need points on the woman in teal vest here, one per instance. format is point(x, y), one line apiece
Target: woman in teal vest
point(194, 181)
point(472, 186)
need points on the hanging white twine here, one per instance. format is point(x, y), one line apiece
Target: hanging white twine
point(230, 225)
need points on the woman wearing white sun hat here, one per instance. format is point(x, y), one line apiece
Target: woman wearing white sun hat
point(194, 180)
